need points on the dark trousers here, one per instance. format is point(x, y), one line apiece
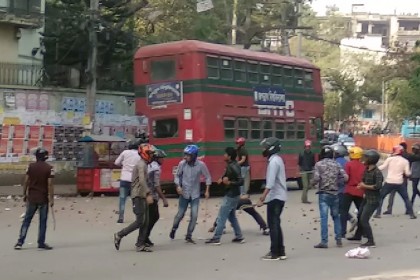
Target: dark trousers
point(365, 213)
point(274, 210)
point(31, 209)
point(345, 205)
point(415, 185)
point(141, 210)
point(392, 197)
point(153, 216)
point(402, 190)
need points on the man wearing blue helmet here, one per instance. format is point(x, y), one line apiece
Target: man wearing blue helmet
point(188, 181)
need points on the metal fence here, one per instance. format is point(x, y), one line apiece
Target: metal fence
point(20, 74)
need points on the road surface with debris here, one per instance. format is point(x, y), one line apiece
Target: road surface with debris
point(83, 246)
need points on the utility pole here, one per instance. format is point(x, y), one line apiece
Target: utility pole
point(284, 34)
point(234, 21)
point(92, 61)
point(383, 102)
point(299, 21)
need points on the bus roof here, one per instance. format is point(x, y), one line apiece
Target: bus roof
point(178, 47)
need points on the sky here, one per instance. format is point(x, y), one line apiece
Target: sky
point(374, 6)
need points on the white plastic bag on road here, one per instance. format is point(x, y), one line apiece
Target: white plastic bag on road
point(358, 253)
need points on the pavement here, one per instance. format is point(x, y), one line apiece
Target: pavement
point(83, 247)
point(17, 190)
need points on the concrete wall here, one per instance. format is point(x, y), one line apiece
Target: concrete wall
point(8, 43)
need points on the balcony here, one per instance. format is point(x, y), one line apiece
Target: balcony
point(22, 13)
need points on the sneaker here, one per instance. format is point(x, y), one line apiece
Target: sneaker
point(321, 246)
point(265, 231)
point(213, 241)
point(238, 240)
point(354, 238)
point(339, 243)
point(387, 213)
point(120, 221)
point(353, 226)
point(369, 244)
point(412, 216)
point(149, 243)
point(117, 241)
point(143, 248)
point(283, 257)
point(172, 234)
point(270, 257)
point(376, 216)
point(45, 246)
point(190, 240)
point(306, 202)
point(18, 246)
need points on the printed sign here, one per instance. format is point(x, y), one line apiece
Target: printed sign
point(164, 93)
point(269, 96)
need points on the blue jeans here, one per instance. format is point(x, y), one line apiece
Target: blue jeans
point(245, 175)
point(402, 190)
point(125, 191)
point(274, 209)
point(182, 208)
point(228, 212)
point(329, 202)
point(31, 209)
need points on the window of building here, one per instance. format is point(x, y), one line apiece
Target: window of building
point(226, 69)
point(253, 69)
point(277, 75)
point(213, 71)
point(265, 74)
point(165, 128)
point(288, 77)
point(367, 114)
point(299, 78)
point(255, 130)
point(243, 128)
point(163, 70)
point(280, 128)
point(229, 125)
point(309, 79)
point(240, 70)
point(267, 129)
point(290, 130)
point(300, 130)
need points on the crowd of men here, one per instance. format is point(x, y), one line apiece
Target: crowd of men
point(339, 183)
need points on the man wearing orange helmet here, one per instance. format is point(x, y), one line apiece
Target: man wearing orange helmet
point(398, 168)
point(306, 165)
point(141, 197)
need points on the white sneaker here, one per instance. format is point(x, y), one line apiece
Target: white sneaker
point(418, 213)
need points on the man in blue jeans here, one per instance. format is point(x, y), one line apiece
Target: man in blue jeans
point(38, 193)
point(328, 176)
point(187, 179)
point(231, 181)
point(275, 196)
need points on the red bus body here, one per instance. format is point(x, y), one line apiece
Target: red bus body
point(202, 93)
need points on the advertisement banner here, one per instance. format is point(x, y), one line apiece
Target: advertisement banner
point(269, 96)
point(164, 93)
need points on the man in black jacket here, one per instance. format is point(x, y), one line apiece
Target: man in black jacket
point(306, 166)
point(232, 181)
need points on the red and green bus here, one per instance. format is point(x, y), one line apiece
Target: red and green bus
point(209, 94)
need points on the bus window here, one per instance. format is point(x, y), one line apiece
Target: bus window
point(291, 130)
point(288, 77)
point(163, 70)
point(265, 74)
point(276, 78)
point(267, 129)
point(240, 71)
point(280, 128)
point(253, 69)
point(255, 130)
point(229, 129)
point(213, 67)
point(308, 79)
point(301, 130)
point(299, 76)
point(226, 69)
point(165, 128)
point(243, 128)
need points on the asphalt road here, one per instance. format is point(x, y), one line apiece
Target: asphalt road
point(83, 247)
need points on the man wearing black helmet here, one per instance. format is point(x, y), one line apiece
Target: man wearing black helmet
point(275, 196)
point(328, 175)
point(38, 192)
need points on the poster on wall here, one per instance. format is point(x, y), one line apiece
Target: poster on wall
point(43, 102)
point(20, 100)
point(104, 107)
point(9, 100)
point(80, 104)
point(32, 101)
point(67, 104)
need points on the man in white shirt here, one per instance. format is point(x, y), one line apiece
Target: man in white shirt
point(397, 168)
point(128, 159)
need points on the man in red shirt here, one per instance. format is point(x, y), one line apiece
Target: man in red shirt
point(355, 170)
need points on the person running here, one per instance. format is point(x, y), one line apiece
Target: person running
point(187, 181)
point(397, 168)
point(232, 181)
point(415, 173)
point(141, 197)
point(328, 176)
point(275, 196)
point(128, 159)
point(306, 165)
point(38, 192)
point(371, 184)
point(352, 194)
point(154, 171)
